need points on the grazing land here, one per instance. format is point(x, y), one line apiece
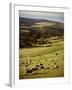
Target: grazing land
point(50, 57)
point(41, 52)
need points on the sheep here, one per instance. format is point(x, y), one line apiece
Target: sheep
point(37, 65)
point(56, 53)
point(41, 64)
point(55, 66)
point(26, 65)
point(23, 63)
point(34, 69)
point(28, 71)
point(42, 67)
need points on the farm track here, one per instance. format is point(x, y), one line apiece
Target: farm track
point(44, 52)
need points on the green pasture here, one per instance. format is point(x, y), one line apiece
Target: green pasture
point(50, 56)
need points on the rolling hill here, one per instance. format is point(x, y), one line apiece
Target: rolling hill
point(33, 29)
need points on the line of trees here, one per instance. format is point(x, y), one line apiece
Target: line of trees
point(32, 36)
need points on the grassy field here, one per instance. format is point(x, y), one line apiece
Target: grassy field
point(48, 61)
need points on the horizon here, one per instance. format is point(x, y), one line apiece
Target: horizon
point(51, 16)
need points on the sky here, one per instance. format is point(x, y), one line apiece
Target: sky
point(52, 16)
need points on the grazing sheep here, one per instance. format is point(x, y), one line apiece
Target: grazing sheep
point(34, 69)
point(23, 63)
point(56, 53)
point(42, 67)
point(55, 66)
point(41, 64)
point(28, 71)
point(37, 65)
point(26, 65)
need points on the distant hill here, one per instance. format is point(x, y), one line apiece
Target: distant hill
point(37, 31)
point(40, 24)
point(31, 21)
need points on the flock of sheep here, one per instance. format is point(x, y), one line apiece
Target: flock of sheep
point(37, 67)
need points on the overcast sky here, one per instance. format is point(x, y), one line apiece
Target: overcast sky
point(53, 16)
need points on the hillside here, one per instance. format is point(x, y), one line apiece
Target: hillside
point(41, 48)
point(37, 31)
